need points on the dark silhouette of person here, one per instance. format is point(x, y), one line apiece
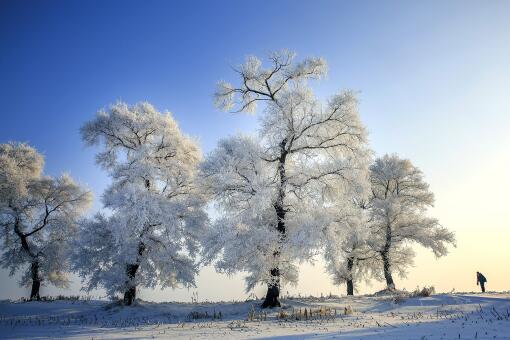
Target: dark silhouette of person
point(480, 279)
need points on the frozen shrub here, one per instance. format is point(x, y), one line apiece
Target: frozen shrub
point(424, 292)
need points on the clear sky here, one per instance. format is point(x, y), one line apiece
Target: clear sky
point(433, 80)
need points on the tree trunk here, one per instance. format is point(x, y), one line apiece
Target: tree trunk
point(130, 293)
point(350, 283)
point(387, 271)
point(273, 291)
point(386, 258)
point(131, 269)
point(273, 288)
point(34, 266)
point(350, 287)
point(36, 282)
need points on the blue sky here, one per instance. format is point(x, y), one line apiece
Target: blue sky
point(433, 80)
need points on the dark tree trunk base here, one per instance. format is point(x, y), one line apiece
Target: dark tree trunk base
point(130, 293)
point(271, 300)
point(130, 296)
point(34, 293)
point(390, 284)
point(350, 287)
point(350, 283)
point(36, 282)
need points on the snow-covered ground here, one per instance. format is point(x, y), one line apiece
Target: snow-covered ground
point(443, 316)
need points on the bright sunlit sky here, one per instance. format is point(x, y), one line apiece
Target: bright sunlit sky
point(433, 80)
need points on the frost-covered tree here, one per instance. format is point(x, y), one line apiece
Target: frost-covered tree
point(38, 216)
point(155, 212)
point(399, 203)
point(349, 259)
point(270, 189)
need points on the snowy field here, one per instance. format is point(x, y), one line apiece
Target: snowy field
point(443, 316)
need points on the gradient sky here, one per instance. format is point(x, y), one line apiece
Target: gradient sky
point(433, 80)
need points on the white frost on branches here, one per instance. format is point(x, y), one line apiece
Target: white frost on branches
point(38, 217)
point(271, 189)
point(151, 236)
point(346, 251)
point(400, 199)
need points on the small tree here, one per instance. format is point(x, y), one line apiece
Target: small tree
point(38, 216)
point(348, 257)
point(400, 198)
point(151, 235)
point(269, 189)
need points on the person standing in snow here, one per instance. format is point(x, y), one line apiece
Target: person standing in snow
point(480, 279)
